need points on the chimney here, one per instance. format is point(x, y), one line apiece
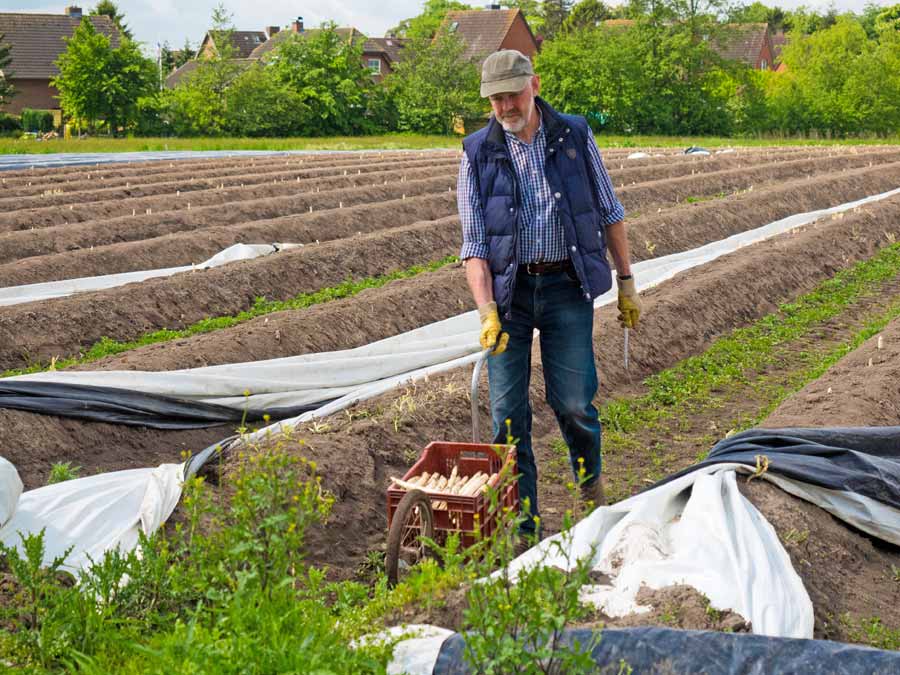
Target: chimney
point(73, 12)
point(271, 30)
point(297, 26)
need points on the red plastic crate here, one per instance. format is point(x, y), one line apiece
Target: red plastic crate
point(469, 459)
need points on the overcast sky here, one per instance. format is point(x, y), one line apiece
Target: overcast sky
point(153, 21)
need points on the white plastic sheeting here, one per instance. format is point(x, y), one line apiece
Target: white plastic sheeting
point(10, 490)
point(697, 530)
point(14, 295)
point(96, 514)
point(358, 374)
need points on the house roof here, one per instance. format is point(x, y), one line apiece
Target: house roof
point(181, 73)
point(36, 40)
point(779, 40)
point(243, 41)
point(390, 47)
point(483, 31)
point(742, 42)
point(349, 34)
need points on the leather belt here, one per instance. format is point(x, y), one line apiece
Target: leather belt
point(536, 269)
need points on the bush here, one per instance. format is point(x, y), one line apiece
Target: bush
point(38, 121)
point(9, 123)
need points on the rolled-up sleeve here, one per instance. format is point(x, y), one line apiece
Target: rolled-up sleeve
point(612, 207)
point(470, 213)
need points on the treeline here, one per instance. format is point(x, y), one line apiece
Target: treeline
point(317, 85)
point(647, 67)
point(658, 72)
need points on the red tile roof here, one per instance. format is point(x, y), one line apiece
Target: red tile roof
point(742, 42)
point(349, 34)
point(483, 31)
point(36, 40)
point(390, 47)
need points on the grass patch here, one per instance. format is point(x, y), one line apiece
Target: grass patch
point(396, 141)
point(733, 358)
point(109, 347)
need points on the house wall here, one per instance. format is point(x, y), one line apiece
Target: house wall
point(766, 54)
point(385, 64)
point(32, 94)
point(519, 37)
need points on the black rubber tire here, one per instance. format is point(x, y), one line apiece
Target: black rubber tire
point(412, 520)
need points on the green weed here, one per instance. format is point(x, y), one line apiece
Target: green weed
point(62, 471)
point(750, 349)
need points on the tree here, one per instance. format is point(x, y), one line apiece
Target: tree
point(7, 91)
point(109, 8)
point(757, 12)
point(838, 82)
point(888, 19)
point(586, 14)
point(327, 72)
point(426, 24)
point(531, 9)
point(97, 82)
point(434, 86)
point(258, 105)
point(185, 54)
point(554, 14)
point(166, 59)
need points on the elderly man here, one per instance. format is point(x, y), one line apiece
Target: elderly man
point(538, 213)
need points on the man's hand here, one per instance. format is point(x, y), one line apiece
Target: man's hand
point(491, 337)
point(629, 304)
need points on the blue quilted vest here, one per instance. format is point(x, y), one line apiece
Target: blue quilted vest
point(570, 177)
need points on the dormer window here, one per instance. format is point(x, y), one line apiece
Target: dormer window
point(454, 26)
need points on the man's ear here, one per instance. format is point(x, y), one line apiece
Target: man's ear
point(536, 84)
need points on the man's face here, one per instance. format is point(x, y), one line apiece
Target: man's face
point(515, 109)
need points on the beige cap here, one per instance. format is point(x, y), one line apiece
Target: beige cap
point(504, 72)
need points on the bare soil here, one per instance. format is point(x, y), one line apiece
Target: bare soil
point(358, 451)
point(82, 211)
point(25, 243)
point(164, 167)
point(290, 333)
point(55, 192)
point(65, 326)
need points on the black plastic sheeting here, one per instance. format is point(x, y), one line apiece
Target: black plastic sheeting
point(669, 651)
point(132, 408)
point(864, 460)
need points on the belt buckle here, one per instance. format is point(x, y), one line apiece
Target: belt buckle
point(531, 268)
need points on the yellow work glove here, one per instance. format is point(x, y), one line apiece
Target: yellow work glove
point(629, 304)
point(491, 337)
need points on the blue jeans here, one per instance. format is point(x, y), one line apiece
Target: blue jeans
point(552, 304)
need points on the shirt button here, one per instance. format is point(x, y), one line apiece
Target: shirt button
point(574, 248)
point(557, 195)
point(560, 139)
point(552, 150)
point(587, 296)
point(512, 210)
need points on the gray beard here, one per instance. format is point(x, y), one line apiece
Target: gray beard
point(513, 127)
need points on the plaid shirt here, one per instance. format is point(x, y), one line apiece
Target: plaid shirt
point(541, 238)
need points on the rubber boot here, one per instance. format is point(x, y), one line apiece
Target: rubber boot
point(592, 493)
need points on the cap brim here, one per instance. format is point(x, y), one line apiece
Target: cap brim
point(512, 85)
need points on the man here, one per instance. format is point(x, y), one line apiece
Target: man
point(538, 213)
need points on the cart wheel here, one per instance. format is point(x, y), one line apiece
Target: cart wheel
point(412, 520)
